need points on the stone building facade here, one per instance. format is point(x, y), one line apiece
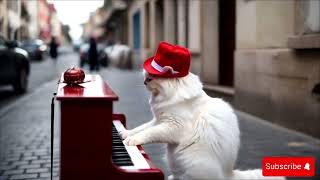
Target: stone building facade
point(277, 64)
point(261, 55)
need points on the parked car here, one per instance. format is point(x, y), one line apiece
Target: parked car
point(36, 48)
point(84, 56)
point(14, 65)
point(119, 55)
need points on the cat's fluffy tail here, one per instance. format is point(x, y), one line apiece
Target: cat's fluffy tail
point(253, 174)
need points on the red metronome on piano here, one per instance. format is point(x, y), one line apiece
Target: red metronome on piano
point(90, 146)
point(73, 76)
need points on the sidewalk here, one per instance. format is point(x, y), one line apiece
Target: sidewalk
point(25, 131)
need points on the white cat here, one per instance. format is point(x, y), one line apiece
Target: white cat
point(202, 133)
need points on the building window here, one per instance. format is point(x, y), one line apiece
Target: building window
point(136, 30)
point(307, 25)
point(308, 17)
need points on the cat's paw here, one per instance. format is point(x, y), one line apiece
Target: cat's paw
point(132, 141)
point(124, 134)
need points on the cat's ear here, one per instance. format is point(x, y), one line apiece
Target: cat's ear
point(169, 69)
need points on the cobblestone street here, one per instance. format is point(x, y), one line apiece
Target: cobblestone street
point(25, 126)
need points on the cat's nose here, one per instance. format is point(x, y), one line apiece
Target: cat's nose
point(146, 80)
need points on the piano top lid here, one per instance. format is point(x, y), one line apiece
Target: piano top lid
point(94, 88)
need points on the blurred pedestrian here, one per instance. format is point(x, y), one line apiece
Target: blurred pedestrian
point(93, 55)
point(53, 48)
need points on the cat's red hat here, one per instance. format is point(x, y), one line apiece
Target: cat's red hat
point(170, 61)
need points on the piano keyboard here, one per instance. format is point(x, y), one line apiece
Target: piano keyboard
point(119, 154)
point(126, 157)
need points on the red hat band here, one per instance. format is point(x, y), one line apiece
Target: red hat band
point(170, 61)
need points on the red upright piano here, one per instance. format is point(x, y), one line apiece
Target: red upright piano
point(90, 145)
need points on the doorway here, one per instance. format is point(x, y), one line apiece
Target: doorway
point(227, 21)
point(136, 31)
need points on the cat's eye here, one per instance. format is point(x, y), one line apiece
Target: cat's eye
point(147, 79)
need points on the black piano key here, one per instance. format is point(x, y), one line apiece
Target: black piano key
point(120, 155)
point(119, 159)
point(118, 148)
point(117, 142)
point(124, 163)
point(122, 159)
point(119, 152)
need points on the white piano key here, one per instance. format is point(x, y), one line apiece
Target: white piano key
point(137, 159)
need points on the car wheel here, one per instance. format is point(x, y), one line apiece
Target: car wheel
point(21, 84)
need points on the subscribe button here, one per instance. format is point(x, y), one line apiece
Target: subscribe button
point(288, 166)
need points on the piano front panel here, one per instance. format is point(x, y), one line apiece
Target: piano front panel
point(85, 139)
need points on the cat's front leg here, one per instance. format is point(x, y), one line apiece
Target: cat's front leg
point(160, 133)
point(125, 133)
point(133, 140)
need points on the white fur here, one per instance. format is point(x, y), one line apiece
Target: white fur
point(202, 133)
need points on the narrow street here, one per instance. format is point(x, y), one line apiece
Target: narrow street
point(25, 124)
point(262, 57)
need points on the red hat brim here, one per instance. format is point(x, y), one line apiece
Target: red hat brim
point(153, 72)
